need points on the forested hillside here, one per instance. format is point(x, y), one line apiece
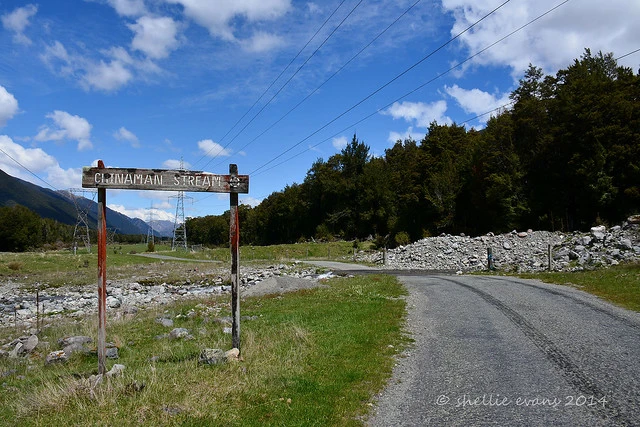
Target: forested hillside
point(564, 155)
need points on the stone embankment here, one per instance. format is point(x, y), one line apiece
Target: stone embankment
point(526, 251)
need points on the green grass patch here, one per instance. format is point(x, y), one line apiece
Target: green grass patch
point(314, 357)
point(619, 284)
point(307, 250)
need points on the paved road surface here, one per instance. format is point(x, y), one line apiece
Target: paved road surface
point(508, 352)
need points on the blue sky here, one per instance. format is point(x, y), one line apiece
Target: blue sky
point(146, 83)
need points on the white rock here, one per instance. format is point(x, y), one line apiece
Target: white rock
point(113, 302)
point(116, 370)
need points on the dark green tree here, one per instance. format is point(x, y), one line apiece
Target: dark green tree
point(20, 229)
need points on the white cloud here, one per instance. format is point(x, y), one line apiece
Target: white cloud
point(56, 54)
point(212, 149)
point(67, 126)
point(8, 106)
point(143, 213)
point(124, 134)
point(313, 8)
point(39, 163)
point(128, 7)
point(419, 113)
point(176, 164)
point(217, 16)
point(409, 134)
point(339, 143)
point(18, 20)
point(107, 76)
point(262, 42)
point(115, 69)
point(155, 37)
point(554, 41)
point(476, 101)
point(251, 201)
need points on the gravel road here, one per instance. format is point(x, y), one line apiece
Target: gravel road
point(504, 351)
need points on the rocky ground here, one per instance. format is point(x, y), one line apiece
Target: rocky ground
point(20, 307)
point(525, 251)
point(516, 251)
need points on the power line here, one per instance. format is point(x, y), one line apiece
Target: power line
point(27, 169)
point(627, 54)
point(276, 79)
point(330, 77)
point(488, 112)
point(397, 99)
point(386, 84)
point(289, 80)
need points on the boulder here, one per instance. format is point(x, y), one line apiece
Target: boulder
point(115, 370)
point(17, 350)
point(212, 356)
point(76, 348)
point(625, 244)
point(113, 302)
point(168, 323)
point(80, 339)
point(30, 344)
point(178, 333)
point(58, 356)
point(111, 353)
point(233, 354)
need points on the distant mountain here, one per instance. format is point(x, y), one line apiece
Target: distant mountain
point(161, 228)
point(60, 206)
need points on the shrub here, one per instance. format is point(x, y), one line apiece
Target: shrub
point(15, 266)
point(402, 238)
point(323, 233)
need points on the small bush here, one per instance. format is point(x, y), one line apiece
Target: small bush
point(402, 238)
point(15, 266)
point(151, 247)
point(323, 233)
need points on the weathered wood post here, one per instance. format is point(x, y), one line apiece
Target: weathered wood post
point(37, 310)
point(102, 276)
point(234, 240)
point(549, 256)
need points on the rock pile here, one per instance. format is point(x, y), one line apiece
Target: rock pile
point(517, 251)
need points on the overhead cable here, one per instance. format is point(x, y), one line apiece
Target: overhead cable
point(289, 80)
point(397, 99)
point(385, 85)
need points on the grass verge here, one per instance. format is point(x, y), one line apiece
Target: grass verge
point(619, 284)
point(313, 357)
point(307, 250)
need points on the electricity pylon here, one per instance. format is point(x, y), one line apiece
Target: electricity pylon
point(81, 230)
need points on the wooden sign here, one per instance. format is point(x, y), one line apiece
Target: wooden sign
point(163, 179)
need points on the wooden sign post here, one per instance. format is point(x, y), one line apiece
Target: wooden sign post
point(163, 180)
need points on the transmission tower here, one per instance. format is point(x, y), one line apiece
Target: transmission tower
point(81, 230)
point(111, 235)
point(179, 225)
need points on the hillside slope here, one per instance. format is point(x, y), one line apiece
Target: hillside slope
point(58, 205)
